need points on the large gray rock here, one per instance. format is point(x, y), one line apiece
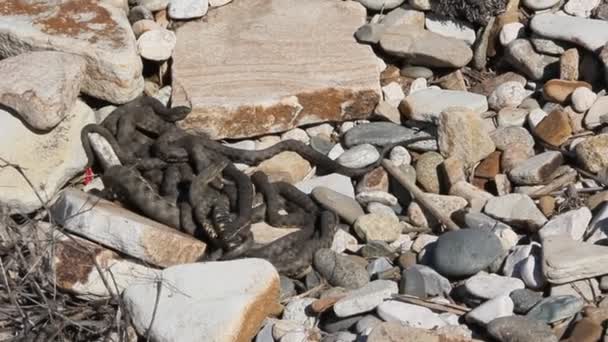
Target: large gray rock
point(41, 87)
point(49, 160)
point(95, 30)
point(230, 98)
point(422, 47)
point(213, 301)
point(591, 34)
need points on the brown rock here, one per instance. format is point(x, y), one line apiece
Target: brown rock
point(586, 330)
point(592, 153)
point(452, 172)
point(568, 65)
point(555, 128)
point(576, 120)
point(407, 259)
point(390, 74)
point(453, 81)
point(427, 171)
point(514, 155)
point(489, 167)
point(323, 304)
point(597, 199)
point(375, 180)
point(231, 99)
point(560, 90)
point(286, 166)
point(488, 86)
point(546, 204)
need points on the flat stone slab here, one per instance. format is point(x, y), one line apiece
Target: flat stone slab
point(122, 230)
point(566, 260)
point(591, 34)
point(427, 105)
point(266, 66)
point(95, 30)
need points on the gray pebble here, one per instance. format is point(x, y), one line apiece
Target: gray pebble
point(520, 329)
point(412, 283)
point(378, 266)
point(138, 13)
point(416, 72)
point(366, 324)
point(556, 308)
point(434, 283)
point(340, 270)
point(321, 144)
point(288, 287)
point(385, 133)
point(359, 156)
point(347, 208)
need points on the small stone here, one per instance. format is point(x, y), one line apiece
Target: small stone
point(377, 227)
point(592, 152)
point(581, 8)
point(234, 299)
point(572, 223)
point(476, 197)
point(560, 90)
point(388, 111)
point(555, 308)
point(379, 208)
point(365, 298)
point(450, 28)
point(520, 329)
point(514, 261)
point(548, 46)
point(587, 330)
point(426, 171)
point(409, 314)
point(510, 32)
point(340, 270)
point(359, 156)
point(407, 259)
point(531, 272)
point(568, 64)
point(412, 283)
point(343, 241)
point(286, 166)
point(524, 300)
point(517, 210)
point(422, 241)
point(453, 170)
point(188, 9)
point(374, 181)
point(427, 105)
point(461, 136)
point(510, 116)
point(505, 137)
point(465, 252)
point(156, 45)
point(370, 33)
point(566, 260)
point(537, 169)
point(488, 286)
point(515, 155)
point(399, 155)
point(422, 47)
point(583, 99)
point(383, 197)
point(379, 265)
point(416, 72)
point(523, 57)
point(503, 185)
point(346, 207)
point(501, 306)
point(367, 324)
point(508, 94)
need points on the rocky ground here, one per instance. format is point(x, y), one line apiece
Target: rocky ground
point(494, 229)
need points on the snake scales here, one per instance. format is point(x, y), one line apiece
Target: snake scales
point(189, 182)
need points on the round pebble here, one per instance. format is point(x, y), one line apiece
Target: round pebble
point(582, 99)
point(376, 196)
point(359, 156)
point(465, 252)
point(156, 45)
point(340, 270)
point(508, 94)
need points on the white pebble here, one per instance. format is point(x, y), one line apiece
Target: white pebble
point(581, 8)
point(156, 45)
point(218, 3)
point(510, 32)
point(498, 307)
point(535, 117)
point(188, 9)
point(508, 94)
point(359, 156)
point(399, 155)
point(531, 272)
point(409, 314)
point(582, 99)
point(417, 85)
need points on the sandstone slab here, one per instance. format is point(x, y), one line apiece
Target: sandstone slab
point(566, 260)
point(258, 67)
point(41, 86)
point(95, 30)
point(49, 160)
point(215, 301)
point(122, 230)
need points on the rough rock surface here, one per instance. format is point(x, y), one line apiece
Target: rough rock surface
point(41, 87)
point(95, 30)
point(230, 98)
point(216, 301)
point(49, 160)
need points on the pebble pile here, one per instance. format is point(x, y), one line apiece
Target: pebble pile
point(504, 240)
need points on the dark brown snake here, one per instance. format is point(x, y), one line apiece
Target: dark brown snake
point(189, 182)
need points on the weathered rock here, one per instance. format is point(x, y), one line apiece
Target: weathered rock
point(427, 105)
point(125, 231)
point(214, 301)
point(508, 94)
point(427, 172)
point(269, 99)
point(377, 227)
point(515, 155)
point(524, 300)
point(488, 286)
point(394, 331)
point(334, 181)
point(598, 110)
point(583, 99)
point(422, 47)
point(522, 56)
point(41, 87)
point(359, 156)
point(517, 210)
point(560, 90)
point(97, 31)
point(505, 137)
point(50, 160)
point(510, 116)
point(591, 34)
point(461, 136)
point(566, 260)
point(520, 329)
point(386, 133)
point(555, 129)
point(568, 64)
point(592, 152)
point(487, 86)
point(537, 169)
point(286, 166)
point(340, 270)
point(188, 9)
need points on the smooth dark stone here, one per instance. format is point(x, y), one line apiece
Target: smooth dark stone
point(321, 145)
point(465, 252)
point(384, 133)
point(520, 329)
point(138, 13)
point(340, 270)
point(556, 308)
point(334, 324)
point(524, 300)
